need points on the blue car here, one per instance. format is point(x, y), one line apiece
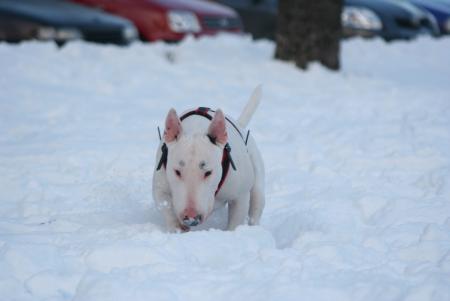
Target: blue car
point(440, 9)
point(389, 19)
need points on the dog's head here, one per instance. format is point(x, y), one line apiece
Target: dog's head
point(194, 167)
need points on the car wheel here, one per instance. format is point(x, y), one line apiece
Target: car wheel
point(60, 43)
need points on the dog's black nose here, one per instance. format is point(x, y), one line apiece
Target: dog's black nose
point(192, 221)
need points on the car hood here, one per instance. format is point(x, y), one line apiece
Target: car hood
point(440, 6)
point(196, 6)
point(398, 8)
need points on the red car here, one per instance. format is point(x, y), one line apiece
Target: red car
point(171, 20)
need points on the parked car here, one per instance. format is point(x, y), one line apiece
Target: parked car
point(389, 19)
point(171, 20)
point(440, 9)
point(61, 21)
point(259, 17)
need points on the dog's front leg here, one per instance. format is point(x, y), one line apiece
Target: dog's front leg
point(163, 201)
point(238, 211)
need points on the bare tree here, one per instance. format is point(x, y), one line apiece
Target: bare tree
point(309, 30)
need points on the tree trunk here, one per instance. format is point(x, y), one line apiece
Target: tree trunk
point(309, 30)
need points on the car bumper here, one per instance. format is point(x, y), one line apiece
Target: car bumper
point(119, 36)
point(209, 26)
point(392, 31)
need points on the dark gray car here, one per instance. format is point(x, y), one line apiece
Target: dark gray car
point(389, 19)
point(61, 21)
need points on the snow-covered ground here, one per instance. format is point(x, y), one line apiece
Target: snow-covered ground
point(358, 173)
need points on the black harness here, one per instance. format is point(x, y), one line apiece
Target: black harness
point(226, 157)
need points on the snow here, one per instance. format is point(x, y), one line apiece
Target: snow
point(358, 169)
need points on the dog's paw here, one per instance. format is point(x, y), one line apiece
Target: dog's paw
point(178, 228)
point(184, 228)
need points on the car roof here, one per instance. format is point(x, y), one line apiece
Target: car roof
point(58, 12)
point(197, 6)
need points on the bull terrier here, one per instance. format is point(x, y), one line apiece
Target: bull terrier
point(204, 160)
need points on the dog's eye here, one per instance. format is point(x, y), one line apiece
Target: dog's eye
point(178, 173)
point(208, 173)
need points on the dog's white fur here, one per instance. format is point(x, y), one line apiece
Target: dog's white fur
point(184, 188)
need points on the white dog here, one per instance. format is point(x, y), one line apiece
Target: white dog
point(206, 160)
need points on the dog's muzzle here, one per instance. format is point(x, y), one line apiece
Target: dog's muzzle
point(192, 221)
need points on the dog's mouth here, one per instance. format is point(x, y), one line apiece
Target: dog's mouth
point(192, 221)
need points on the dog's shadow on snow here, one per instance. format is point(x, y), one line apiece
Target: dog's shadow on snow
point(288, 228)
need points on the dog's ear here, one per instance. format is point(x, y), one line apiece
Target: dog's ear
point(173, 126)
point(217, 130)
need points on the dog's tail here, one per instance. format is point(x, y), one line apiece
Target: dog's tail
point(250, 108)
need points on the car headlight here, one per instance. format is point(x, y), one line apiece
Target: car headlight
point(68, 34)
point(50, 33)
point(183, 21)
point(360, 18)
point(447, 25)
point(129, 33)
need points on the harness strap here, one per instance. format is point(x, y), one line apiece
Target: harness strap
point(203, 111)
point(163, 160)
